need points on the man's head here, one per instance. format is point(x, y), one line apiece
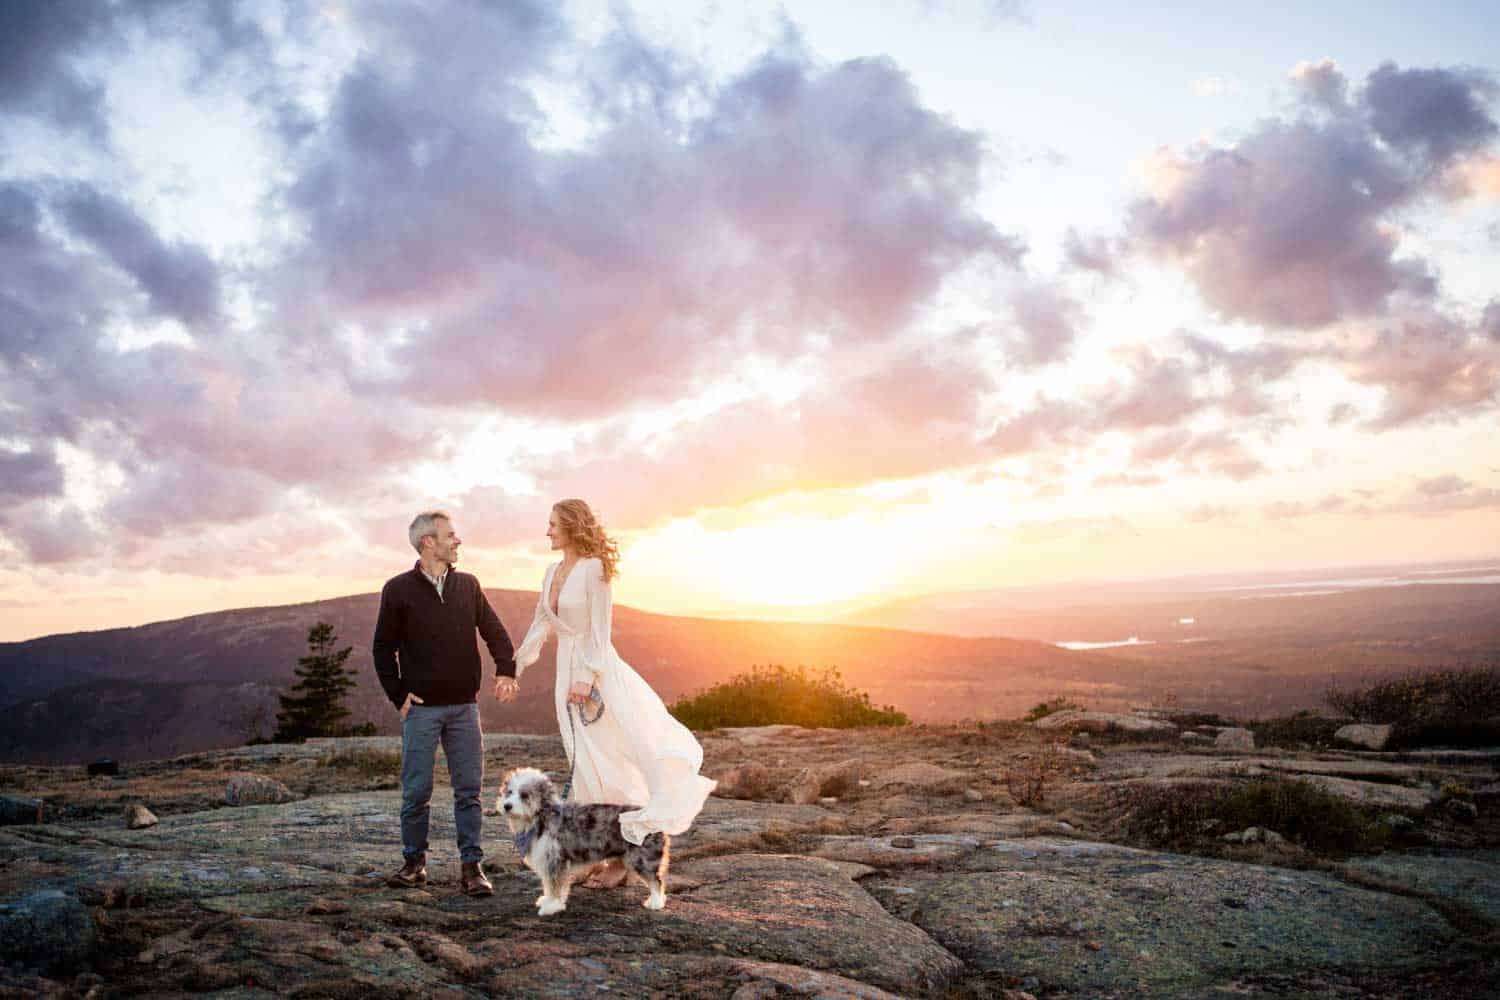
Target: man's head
point(432, 534)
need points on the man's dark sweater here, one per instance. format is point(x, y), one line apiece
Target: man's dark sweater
point(424, 643)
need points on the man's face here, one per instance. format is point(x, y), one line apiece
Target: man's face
point(445, 543)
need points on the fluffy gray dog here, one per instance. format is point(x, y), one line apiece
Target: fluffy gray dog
point(562, 840)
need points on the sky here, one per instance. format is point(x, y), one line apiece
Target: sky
point(817, 309)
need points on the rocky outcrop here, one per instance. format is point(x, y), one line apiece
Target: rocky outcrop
point(1374, 794)
point(1370, 737)
point(1074, 720)
point(17, 810)
point(747, 781)
point(138, 817)
point(814, 783)
point(921, 776)
point(1235, 739)
point(48, 929)
point(904, 887)
point(256, 790)
point(1095, 920)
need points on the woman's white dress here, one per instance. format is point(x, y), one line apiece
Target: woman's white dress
point(636, 753)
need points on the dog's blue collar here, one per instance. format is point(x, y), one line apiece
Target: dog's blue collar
point(524, 840)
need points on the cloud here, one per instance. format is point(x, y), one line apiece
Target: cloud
point(29, 475)
point(1098, 254)
point(48, 50)
point(908, 416)
point(1429, 366)
point(1156, 392)
point(1322, 85)
point(1281, 510)
point(1435, 115)
point(1046, 323)
point(1489, 322)
point(793, 202)
point(1216, 453)
point(39, 73)
point(1443, 485)
point(1291, 227)
point(452, 262)
point(181, 280)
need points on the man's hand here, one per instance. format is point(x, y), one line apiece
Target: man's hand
point(578, 694)
point(411, 700)
point(506, 688)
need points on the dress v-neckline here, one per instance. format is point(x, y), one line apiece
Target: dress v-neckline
point(556, 612)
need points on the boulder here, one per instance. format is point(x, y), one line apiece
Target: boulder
point(1235, 739)
point(138, 817)
point(803, 910)
point(1094, 920)
point(18, 811)
point(1370, 737)
point(754, 736)
point(924, 777)
point(768, 976)
point(748, 781)
point(1255, 835)
point(1373, 793)
point(256, 790)
point(1074, 720)
point(1461, 810)
point(816, 783)
point(49, 930)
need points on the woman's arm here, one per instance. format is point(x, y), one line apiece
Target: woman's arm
point(531, 646)
point(600, 652)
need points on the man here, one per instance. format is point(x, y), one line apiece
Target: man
point(428, 664)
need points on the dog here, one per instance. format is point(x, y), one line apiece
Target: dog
point(563, 840)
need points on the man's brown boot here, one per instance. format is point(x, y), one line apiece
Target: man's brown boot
point(472, 881)
point(412, 874)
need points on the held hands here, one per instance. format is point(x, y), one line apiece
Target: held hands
point(578, 693)
point(411, 700)
point(506, 688)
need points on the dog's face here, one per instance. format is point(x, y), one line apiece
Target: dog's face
point(523, 793)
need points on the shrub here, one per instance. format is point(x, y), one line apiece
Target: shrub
point(1045, 708)
point(1178, 816)
point(371, 762)
point(1293, 730)
point(776, 694)
point(1027, 785)
point(1456, 707)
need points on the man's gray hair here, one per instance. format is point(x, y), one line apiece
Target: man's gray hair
point(425, 524)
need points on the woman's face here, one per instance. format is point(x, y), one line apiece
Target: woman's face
point(556, 533)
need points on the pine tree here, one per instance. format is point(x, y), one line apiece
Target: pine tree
point(318, 710)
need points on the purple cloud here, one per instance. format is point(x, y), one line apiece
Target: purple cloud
point(792, 198)
point(1289, 227)
point(181, 281)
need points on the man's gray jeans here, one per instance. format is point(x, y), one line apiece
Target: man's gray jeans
point(457, 728)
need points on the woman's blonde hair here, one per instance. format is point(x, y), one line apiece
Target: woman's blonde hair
point(587, 534)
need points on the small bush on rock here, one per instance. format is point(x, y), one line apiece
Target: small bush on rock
point(1184, 815)
point(778, 695)
point(1452, 707)
point(1045, 708)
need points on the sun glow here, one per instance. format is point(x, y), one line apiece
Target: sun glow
point(787, 561)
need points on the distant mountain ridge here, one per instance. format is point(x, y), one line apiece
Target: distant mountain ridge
point(205, 681)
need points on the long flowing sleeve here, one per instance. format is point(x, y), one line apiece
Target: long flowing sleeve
point(599, 652)
point(531, 646)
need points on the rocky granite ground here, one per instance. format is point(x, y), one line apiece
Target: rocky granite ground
point(855, 864)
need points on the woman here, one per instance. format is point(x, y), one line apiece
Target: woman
point(635, 753)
